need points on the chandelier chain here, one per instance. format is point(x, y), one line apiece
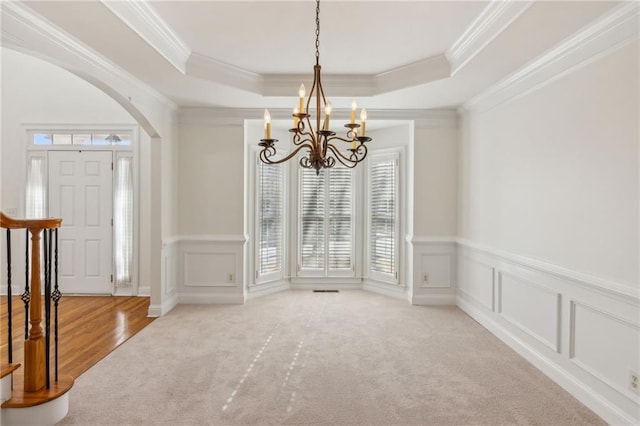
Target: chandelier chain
point(317, 32)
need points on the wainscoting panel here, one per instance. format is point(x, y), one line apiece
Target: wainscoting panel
point(210, 269)
point(477, 281)
point(434, 271)
point(520, 303)
point(594, 333)
point(583, 332)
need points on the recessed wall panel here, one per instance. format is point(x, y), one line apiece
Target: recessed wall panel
point(532, 308)
point(209, 269)
point(476, 281)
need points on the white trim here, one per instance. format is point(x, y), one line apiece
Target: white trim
point(30, 23)
point(161, 310)
point(627, 293)
point(604, 35)
point(144, 21)
point(211, 69)
point(391, 290)
point(434, 299)
point(214, 299)
point(491, 22)
point(423, 118)
point(444, 240)
point(610, 413)
point(258, 290)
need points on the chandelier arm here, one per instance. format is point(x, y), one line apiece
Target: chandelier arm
point(297, 139)
point(333, 138)
point(345, 161)
point(264, 154)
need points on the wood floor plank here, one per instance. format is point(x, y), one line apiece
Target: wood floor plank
point(90, 327)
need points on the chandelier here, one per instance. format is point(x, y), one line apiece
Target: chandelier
point(319, 142)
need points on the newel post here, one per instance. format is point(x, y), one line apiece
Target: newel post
point(34, 346)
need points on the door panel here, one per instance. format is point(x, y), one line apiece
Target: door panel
point(80, 192)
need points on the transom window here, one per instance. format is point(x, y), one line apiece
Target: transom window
point(73, 138)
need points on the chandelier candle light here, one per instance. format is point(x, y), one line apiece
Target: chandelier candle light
point(319, 141)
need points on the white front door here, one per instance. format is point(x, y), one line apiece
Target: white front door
point(80, 192)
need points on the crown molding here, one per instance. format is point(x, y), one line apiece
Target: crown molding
point(26, 31)
point(422, 118)
point(144, 21)
point(604, 35)
point(492, 21)
point(207, 68)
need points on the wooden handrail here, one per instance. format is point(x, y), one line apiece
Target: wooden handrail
point(34, 347)
point(11, 223)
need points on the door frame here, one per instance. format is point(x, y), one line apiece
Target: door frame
point(32, 150)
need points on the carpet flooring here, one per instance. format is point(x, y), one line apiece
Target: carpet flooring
point(348, 358)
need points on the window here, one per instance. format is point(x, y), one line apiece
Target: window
point(73, 138)
point(36, 197)
point(383, 211)
point(326, 231)
point(270, 221)
point(123, 221)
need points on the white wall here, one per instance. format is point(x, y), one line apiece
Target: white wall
point(554, 175)
point(549, 214)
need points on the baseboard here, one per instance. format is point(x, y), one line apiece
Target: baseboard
point(434, 299)
point(589, 397)
point(208, 298)
point(144, 291)
point(324, 286)
point(260, 290)
point(160, 310)
point(390, 290)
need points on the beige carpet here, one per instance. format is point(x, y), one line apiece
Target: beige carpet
point(318, 358)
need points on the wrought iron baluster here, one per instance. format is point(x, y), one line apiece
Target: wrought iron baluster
point(56, 295)
point(47, 305)
point(9, 304)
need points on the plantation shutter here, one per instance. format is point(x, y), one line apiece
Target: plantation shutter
point(383, 209)
point(312, 212)
point(326, 216)
point(340, 233)
point(270, 218)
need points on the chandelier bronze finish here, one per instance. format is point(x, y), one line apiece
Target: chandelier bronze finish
point(322, 153)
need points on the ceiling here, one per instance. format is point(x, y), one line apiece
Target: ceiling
point(254, 54)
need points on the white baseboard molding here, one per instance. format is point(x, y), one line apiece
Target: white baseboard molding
point(167, 305)
point(589, 397)
point(144, 291)
point(324, 286)
point(210, 298)
point(260, 290)
point(123, 291)
point(434, 299)
point(391, 290)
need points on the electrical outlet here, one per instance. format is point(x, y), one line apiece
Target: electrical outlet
point(12, 211)
point(425, 278)
point(634, 381)
point(230, 278)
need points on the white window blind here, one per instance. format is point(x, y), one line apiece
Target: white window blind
point(123, 221)
point(383, 232)
point(326, 220)
point(270, 209)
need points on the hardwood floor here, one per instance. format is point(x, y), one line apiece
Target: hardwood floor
point(90, 328)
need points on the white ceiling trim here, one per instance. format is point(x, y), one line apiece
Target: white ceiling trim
point(609, 32)
point(493, 20)
point(207, 68)
point(444, 117)
point(421, 72)
point(144, 21)
point(25, 30)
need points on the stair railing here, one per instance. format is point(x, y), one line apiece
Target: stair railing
point(37, 368)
